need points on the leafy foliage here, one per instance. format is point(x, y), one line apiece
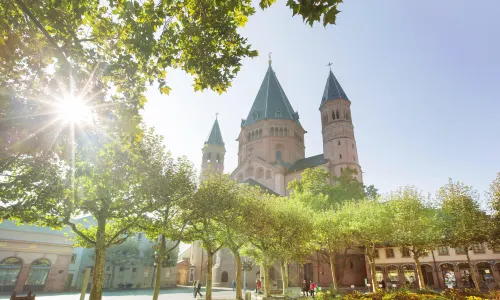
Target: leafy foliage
point(494, 197)
point(465, 223)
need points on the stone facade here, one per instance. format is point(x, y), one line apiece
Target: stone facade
point(33, 258)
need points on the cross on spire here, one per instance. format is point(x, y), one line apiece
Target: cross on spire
point(216, 114)
point(329, 65)
point(270, 60)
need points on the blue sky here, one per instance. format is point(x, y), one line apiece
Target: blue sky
point(423, 78)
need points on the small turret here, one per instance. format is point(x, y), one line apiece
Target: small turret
point(213, 151)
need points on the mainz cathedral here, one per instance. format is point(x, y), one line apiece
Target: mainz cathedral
point(271, 153)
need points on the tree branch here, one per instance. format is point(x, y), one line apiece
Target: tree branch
point(39, 25)
point(77, 231)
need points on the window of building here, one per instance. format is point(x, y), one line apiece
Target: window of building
point(285, 132)
point(73, 258)
point(338, 143)
point(478, 248)
point(340, 156)
point(278, 155)
point(375, 255)
point(337, 114)
point(459, 251)
point(139, 235)
point(122, 269)
point(333, 115)
point(405, 252)
point(271, 133)
point(277, 114)
point(134, 269)
point(443, 250)
point(351, 265)
point(260, 133)
point(389, 253)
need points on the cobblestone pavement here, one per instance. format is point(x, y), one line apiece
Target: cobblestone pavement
point(179, 293)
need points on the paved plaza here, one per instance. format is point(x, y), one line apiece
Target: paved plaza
point(178, 293)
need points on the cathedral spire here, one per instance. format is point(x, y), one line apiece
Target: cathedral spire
point(333, 90)
point(215, 136)
point(271, 101)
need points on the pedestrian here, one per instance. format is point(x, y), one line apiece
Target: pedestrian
point(312, 288)
point(234, 284)
point(194, 288)
point(258, 286)
point(305, 288)
point(198, 289)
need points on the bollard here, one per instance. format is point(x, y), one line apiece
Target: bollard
point(248, 296)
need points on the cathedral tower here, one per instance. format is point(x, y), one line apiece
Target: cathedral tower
point(213, 151)
point(339, 145)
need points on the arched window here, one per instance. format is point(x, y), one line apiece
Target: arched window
point(337, 114)
point(333, 115)
point(9, 271)
point(224, 277)
point(260, 133)
point(281, 131)
point(209, 157)
point(37, 275)
point(249, 172)
point(249, 136)
point(285, 132)
point(259, 173)
point(278, 155)
point(253, 135)
point(217, 157)
point(272, 131)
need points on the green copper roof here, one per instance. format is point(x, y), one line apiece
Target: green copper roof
point(308, 162)
point(333, 90)
point(264, 188)
point(215, 136)
point(270, 102)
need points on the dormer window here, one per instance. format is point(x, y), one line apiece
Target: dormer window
point(255, 115)
point(277, 113)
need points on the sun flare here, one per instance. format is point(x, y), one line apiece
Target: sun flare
point(73, 110)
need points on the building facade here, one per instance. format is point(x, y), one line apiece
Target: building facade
point(33, 258)
point(271, 153)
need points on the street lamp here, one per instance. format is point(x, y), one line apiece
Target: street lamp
point(246, 266)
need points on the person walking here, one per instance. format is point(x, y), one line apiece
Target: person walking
point(194, 288)
point(258, 286)
point(233, 284)
point(198, 289)
point(305, 288)
point(312, 288)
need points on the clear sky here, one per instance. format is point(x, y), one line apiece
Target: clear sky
point(423, 78)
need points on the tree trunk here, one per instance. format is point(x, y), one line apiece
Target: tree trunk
point(100, 260)
point(208, 291)
point(421, 283)
point(284, 275)
point(371, 261)
point(331, 255)
point(239, 270)
point(472, 271)
point(267, 283)
point(159, 265)
point(342, 271)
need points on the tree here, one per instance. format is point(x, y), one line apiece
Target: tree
point(333, 234)
point(418, 228)
point(171, 185)
point(125, 255)
point(293, 227)
point(494, 201)
point(370, 225)
point(212, 204)
point(465, 223)
point(319, 190)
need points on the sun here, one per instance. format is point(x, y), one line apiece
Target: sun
point(73, 110)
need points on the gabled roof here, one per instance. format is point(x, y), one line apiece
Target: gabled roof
point(270, 102)
point(215, 136)
point(308, 162)
point(333, 90)
point(252, 182)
